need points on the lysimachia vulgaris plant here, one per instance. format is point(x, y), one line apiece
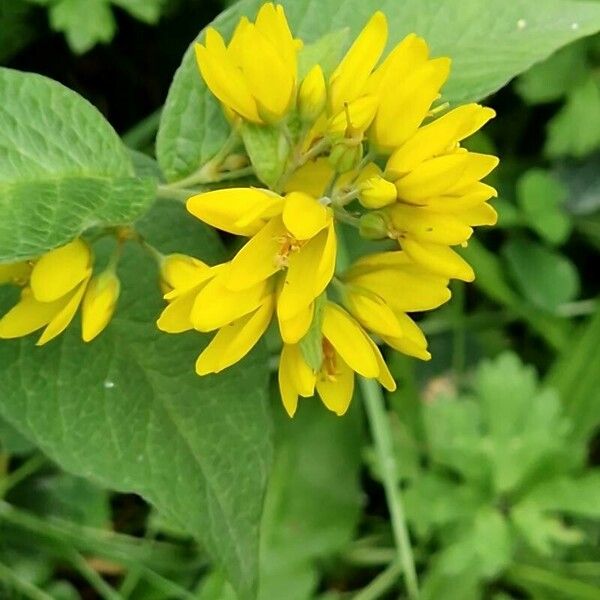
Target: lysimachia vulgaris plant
point(370, 145)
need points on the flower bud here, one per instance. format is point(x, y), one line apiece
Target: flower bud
point(377, 192)
point(234, 162)
point(312, 95)
point(344, 157)
point(373, 226)
point(180, 271)
point(99, 304)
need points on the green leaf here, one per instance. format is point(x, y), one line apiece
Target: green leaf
point(11, 441)
point(490, 42)
point(541, 197)
point(326, 52)
point(546, 278)
point(555, 77)
point(566, 135)
point(84, 24)
point(63, 168)
point(311, 344)
point(268, 151)
point(145, 10)
point(138, 419)
point(576, 375)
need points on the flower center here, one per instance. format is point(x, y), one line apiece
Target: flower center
point(287, 244)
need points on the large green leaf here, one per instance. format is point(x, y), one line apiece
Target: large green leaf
point(490, 41)
point(63, 168)
point(129, 412)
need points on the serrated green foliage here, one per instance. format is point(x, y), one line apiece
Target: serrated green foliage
point(546, 278)
point(502, 477)
point(63, 168)
point(268, 149)
point(138, 419)
point(86, 23)
point(541, 197)
point(515, 36)
point(575, 130)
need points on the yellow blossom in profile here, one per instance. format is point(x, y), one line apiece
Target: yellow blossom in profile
point(55, 285)
point(346, 349)
point(255, 75)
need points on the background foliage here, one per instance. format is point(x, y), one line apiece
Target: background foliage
point(132, 478)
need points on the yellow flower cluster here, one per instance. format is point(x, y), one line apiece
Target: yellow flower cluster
point(54, 286)
point(367, 147)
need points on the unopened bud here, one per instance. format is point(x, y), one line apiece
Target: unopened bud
point(377, 192)
point(344, 157)
point(234, 162)
point(99, 304)
point(373, 226)
point(312, 95)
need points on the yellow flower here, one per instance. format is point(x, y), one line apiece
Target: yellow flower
point(99, 303)
point(15, 273)
point(312, 95)
point(292, 250)
point(346, 349)
point(254, 76)
point(56, 287)
point(379, 289)
point(199, 300)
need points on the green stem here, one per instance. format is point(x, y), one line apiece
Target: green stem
point(27, 589)
point(526, 575)
point(143, 133)
point(381, 584)
point(29, 467)
point(167, 192)
point(345, 217)
point(382, 436)
point(105, 591)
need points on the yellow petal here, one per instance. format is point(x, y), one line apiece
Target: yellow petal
point(272, 23)
point(444, 175)
point(438, 259)
point(377, 192)
point(17, 273)
point(327, 263)
point(483, 214)
point(99, 304)
point(438, 137)
point(406, 57)
point(304, 216)
point(258, 258)
point(233, 342)
point(408, 289)
point(287, 386)
point(216, 305)
point(356, 116)
point(176, 317)
point(400, 115)
point(271, 81)
point(28, 315)
point(377, 260)
point(223, 78)
point(471, 196)
point(412, 343)
point(313, 178)
point(337, 394)
point(372, 312)
point(349, 340)
point(229, 209)
point(428, 226)
point(62, 319)
point(301, 279)
point(294, 329)
point(350, 76)
point(181, 272)
point(312, 95)
point(385, 377)
point(57, 272)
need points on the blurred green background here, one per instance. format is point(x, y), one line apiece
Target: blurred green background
point(497, 437)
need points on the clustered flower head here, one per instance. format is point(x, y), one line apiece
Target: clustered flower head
point(369, 146)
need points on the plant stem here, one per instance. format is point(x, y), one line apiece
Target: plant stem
point(380, 430)
point(381, 584)
point(29, 467)
point(27, 589)
point(105, 591)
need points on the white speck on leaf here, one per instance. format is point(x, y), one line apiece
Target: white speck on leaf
point(109, 385)
point(521, 24)
point(574, 26)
